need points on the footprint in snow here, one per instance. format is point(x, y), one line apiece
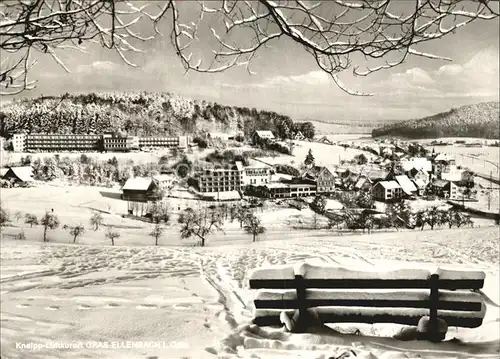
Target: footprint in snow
point(146, 306)
point(84, 307)
point(112, 305)
point(52, 307)
point(23, 305)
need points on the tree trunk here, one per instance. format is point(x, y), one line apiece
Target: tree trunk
point(45, 234)
point(112, 241)
point(202, 241)
point(74, 239)
point(254, 237)
point(156, 242)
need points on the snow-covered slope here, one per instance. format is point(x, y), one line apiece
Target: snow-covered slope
point(188, 302)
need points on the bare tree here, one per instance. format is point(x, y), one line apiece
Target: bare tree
point(76, 232)
point(157, 232)
point(159, 213)
point(112, 234)
point(199, 223)
point(96, 220)
point(18, 215)
point(49, 221)
point(384, 32)
point(253, 226)
point(335, 220)
point(30, 219)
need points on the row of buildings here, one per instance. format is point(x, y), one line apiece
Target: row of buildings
point(408, 178)
point(22, 142)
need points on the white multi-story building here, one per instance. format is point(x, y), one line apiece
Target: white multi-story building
point(221, 179)
point(256, 174)
point(19, 142)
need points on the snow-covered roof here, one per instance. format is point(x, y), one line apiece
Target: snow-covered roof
point(315, 171)
point(333, 204)
point(443, 157)
point(277, 185)
point(138, 183)
point(239, 165)
point(389, 184)
point(406, 184)
point(281, 176)
point(360, 182)
point(264, 134)
point(257, 164)
point(419, 183)
point(439, 183)
point(24, 173)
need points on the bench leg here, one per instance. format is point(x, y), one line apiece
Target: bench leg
point(426, 332)
point(300, 321)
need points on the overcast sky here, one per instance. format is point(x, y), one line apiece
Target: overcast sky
point(288, 81)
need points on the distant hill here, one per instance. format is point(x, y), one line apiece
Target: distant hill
point(137, 114)
point(478, 120)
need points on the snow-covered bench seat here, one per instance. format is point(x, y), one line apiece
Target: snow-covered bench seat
point(286, 294)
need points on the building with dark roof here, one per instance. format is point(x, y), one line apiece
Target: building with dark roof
point(141, 189)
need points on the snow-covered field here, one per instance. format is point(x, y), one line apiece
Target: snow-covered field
point(193, 302)
point(324, 155)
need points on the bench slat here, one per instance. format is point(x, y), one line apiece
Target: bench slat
point(282, 277)
point(408, 316)
point(450, 284)
point(450, 300)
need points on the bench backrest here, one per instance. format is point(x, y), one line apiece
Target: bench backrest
point(349, 295)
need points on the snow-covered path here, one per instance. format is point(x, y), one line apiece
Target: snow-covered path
point(196, 302)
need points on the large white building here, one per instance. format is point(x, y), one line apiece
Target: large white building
point(256, 174)
point(226, 179)
point(19, 142)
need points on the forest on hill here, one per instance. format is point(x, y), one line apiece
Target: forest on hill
point(142, 114)
point(478, 120)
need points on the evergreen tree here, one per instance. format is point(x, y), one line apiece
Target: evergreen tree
point(309, 161)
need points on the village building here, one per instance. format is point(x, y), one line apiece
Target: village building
point(445, 189)
point(165, 181)
point(324, 178)
point(278, 190)
point(449, 173)
point(363, 184)
point(141, 189)
point(387, 191)
point(221, 179)
point(298, 136)
point(120, 143)
point(19, 142)
point(418, 174)
point(19, 175)
point(419, 163)
point(290, 189)
point(158, 141)
point(406, 185)
point(420, 178)
point(303, 189)
point(257, 174)
point(62, 142)
point(259, 136)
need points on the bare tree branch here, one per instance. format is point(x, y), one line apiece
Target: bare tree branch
point(385, 32)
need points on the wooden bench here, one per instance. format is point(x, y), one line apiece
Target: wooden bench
point(306, 295)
